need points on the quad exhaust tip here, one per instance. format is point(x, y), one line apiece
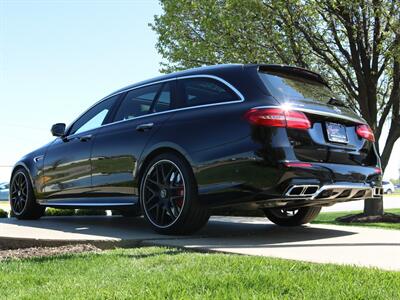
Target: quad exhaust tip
point(302, 190)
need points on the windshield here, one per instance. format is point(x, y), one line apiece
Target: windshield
point(288, 87)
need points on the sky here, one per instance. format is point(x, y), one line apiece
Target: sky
point(57, 58)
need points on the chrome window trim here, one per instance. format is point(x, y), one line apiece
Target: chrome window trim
point(171, 111)
point(317, 112)
point(179, 78)
point(230, 86)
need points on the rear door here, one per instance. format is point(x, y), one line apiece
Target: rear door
point(118, 145)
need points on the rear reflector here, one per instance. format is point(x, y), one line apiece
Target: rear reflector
point(277, 117)
point(365, 132)
point(297, 165)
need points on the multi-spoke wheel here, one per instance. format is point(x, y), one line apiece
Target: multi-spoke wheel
point(169, 196)
point(22, 199)
point(291, 216)
point(19, 193)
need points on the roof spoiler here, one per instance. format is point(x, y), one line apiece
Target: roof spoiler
point(293, 70)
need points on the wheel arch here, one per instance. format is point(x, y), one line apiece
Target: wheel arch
point(155, 151)
point(21, 165)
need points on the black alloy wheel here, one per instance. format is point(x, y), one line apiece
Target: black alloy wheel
point(164, 193)
point(22, 199)
point(19, 193)
point(169, 197)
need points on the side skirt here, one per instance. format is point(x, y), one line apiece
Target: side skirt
point(89, 202)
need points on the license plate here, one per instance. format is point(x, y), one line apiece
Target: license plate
point(336, 133)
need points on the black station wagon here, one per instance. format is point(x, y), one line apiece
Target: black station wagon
point(177, 147)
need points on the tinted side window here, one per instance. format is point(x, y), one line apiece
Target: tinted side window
point(200, 91)
point(94, 117)
point(164, 102)
point(137, 102)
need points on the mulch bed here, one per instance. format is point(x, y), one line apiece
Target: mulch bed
point(361, 218)
point(46, 251)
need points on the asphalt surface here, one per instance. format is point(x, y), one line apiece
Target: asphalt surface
point(252, 236)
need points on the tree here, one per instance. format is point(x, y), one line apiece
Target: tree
point(354, 44)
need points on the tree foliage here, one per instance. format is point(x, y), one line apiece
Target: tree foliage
point(354, 44)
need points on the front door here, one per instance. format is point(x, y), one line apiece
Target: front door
point(67, 166)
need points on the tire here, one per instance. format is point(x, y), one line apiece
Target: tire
point(168, 196)
point(299, 217)
point(389, 191)
point(22, 198)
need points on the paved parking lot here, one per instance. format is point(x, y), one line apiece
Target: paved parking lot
point(252, 236)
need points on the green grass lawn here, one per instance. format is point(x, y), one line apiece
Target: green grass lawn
point(395, 194)
point(163, 273)
point(329, 218)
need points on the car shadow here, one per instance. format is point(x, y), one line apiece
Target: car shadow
point(241, 232)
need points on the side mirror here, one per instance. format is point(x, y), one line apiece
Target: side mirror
point(58, 129)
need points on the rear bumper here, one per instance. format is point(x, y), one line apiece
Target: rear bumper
point(326, 178)
point(326, 195)
point(334, 191)
point(319, 184)
point(323, 185)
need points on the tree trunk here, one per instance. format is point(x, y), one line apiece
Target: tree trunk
point(373, 207)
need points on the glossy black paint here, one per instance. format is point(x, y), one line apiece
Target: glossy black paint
point(233, 162)
point(58, 129)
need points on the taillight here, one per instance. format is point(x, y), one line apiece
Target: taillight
point(365, 132)
point(277, 117)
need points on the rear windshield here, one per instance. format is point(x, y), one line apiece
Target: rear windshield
point(289, 87)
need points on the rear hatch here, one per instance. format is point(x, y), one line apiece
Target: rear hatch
point(334, 136)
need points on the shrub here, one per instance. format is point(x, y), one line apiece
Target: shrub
point(3, 213)
point(90, 212)
point(50, 211)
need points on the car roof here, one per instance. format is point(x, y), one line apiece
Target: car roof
point(218, 69)
point(195, 71)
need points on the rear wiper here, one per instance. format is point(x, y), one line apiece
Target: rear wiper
point(337, 102)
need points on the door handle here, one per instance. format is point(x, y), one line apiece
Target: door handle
point(85, 138)
point(144, 127)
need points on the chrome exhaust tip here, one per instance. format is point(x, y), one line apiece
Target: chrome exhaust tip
point(305, 190)
point(378, 191)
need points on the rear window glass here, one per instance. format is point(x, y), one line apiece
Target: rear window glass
point(288, 87)
point(200, 91)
